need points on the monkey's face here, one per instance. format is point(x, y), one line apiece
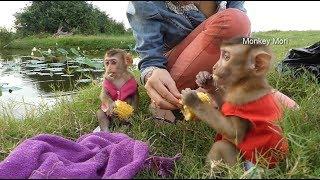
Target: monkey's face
point(114, 66)
point(232, 65)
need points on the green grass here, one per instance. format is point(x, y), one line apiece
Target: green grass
point(100, 42)
point(295, 39)
point(192, 139)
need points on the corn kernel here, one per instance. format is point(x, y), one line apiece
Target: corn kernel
point(123, 110)
point(203, 97)
point(188, 115)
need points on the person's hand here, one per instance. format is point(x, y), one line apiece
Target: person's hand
point(162, 90)
point(204, 80)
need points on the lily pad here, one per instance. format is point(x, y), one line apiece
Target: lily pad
point(84, 80)
point(33, 61)
point(98, 70)
point(31, 73)
point(71, 62)
point(84, 70)
point(37, 70)
point(30, 66)
point(67, 75)
point(45, 74)
point(55, 69)
point(56, 64)
point(47, 81)
point(73, 66)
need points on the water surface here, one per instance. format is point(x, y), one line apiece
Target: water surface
point(27, 83)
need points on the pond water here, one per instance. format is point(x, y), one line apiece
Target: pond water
point(27, 83)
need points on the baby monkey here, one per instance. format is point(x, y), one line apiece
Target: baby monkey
point(118, 84)
point(248, 107)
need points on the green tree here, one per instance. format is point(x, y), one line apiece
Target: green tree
point(48, 16)
point(6, 37)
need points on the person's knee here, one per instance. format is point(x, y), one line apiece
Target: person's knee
point(239, 23)
point(229, 23)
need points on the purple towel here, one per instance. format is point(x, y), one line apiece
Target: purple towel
point(92, 156)
point(163, 165)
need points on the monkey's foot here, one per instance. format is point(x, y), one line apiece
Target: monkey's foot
point(216, 168)
point(252, 171)
point(126, 123)
point(98, 129)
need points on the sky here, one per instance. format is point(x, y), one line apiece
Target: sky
point(264, 15)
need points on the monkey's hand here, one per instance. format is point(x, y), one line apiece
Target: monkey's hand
point(110, 110)
point(190, 98)
point(204, 80)
point(196, 105)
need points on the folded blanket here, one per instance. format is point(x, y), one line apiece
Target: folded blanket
point(92, 156)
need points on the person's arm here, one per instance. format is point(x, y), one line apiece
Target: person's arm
point(208, 8)
point(237, 5)
point(145, 21)
point(231, 4)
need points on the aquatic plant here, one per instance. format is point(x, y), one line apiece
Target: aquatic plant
point(58, 54)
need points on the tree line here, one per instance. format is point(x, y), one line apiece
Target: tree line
point(79, 17)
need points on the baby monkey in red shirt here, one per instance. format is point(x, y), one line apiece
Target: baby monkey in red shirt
point(248, 107)
point(118, 84)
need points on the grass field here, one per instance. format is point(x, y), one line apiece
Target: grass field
point(192, 139)
point(100, 42)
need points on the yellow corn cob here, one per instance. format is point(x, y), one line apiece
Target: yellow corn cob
point(187, 112)
point(188, 115)
point(123, 110)
point(203, 97)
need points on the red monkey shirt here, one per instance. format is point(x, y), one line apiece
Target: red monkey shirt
point(264, 139)
point(128, 89)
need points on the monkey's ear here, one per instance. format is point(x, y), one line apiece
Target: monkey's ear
point(128, 59)
point(261, 62)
